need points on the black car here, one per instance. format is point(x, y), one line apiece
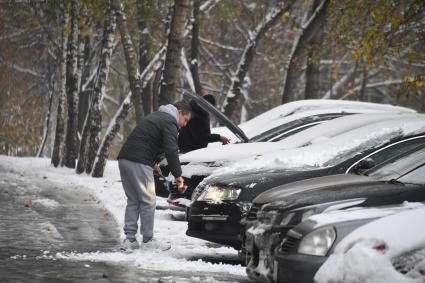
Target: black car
point(166, 188)
point(393, 182)
point(296, 130)
point(273, 135)
point(220, 202)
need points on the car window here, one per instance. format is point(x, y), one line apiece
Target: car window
point(392, 150)
point(416, 176)
point(397, 166)
point(265, 136)
point(291, 128)
point(293, 131)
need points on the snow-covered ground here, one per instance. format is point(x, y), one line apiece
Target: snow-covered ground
point(109, 192)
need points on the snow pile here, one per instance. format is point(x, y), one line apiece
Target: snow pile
point(108, 190)
point(48, 203)
point(357, 257)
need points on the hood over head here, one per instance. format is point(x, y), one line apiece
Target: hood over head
point(170, 109)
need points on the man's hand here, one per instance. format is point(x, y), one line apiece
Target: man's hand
point(180, 184)
point(157, 170)
point(224, 140)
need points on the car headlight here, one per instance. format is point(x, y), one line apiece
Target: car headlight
point(318, 242)
point(217, 193)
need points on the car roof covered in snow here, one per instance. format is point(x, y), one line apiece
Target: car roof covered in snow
point(272, 117)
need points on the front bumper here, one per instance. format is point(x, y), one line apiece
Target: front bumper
point(216, 222)
point(260, 244)
point(296, 268)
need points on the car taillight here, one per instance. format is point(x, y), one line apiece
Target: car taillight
point(380, 248)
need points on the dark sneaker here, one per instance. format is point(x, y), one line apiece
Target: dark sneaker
point(128, 245)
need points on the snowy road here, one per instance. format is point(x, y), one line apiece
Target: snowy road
point(51, 232)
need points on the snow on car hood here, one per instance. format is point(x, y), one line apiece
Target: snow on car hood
point(358, 213)
point(224, 155)
point(347, 144)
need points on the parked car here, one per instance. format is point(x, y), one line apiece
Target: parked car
point(389, 249)
point(298, 130)
point(395, 181)
point(219, 202)
point(273, 125)
point(270, 118)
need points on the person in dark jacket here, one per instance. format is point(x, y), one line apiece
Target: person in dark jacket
point(155, 134)
point(197, 133)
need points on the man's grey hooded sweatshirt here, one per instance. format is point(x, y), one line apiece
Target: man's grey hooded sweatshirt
point(155, 134)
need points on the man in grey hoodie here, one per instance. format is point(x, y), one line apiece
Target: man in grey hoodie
point(155, 134)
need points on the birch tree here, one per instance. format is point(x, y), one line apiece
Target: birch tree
point(50, 85)
point(72, 91)
point(114, 125)
point(195, 48)
point(92, 129)
point(234, 95)
point(60, 130)
point(130, 58)
point(170, 74)
point(294, 65)
point(145, 43)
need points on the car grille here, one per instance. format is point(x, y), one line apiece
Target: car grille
point(288, 244)
point(408, 261)
point(252, 214)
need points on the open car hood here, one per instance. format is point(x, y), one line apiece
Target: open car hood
point(217, 114)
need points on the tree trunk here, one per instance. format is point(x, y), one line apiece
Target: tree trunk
point(195, 49)
point(312, 78)
point(144, 55)
point(312, 72)
point(82, 156)
point(170, 77)
point(46, 128)
point(155, 90)
point(95, 122)
point(362, 93)
point(115, 125)
point(130, 58)
point(234, 95)
point(72, 91)
point(294, 65)
point(83, 100)
point(59, 135)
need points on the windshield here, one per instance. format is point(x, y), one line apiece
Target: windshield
point(398, 166)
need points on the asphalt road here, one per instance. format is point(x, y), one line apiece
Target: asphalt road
point(39, 218)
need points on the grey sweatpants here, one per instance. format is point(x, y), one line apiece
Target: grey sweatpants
point(139, 187)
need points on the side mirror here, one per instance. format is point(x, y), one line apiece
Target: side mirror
point(363, 165)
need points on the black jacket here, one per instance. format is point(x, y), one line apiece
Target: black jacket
point(197, 133)
point(155, 134)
